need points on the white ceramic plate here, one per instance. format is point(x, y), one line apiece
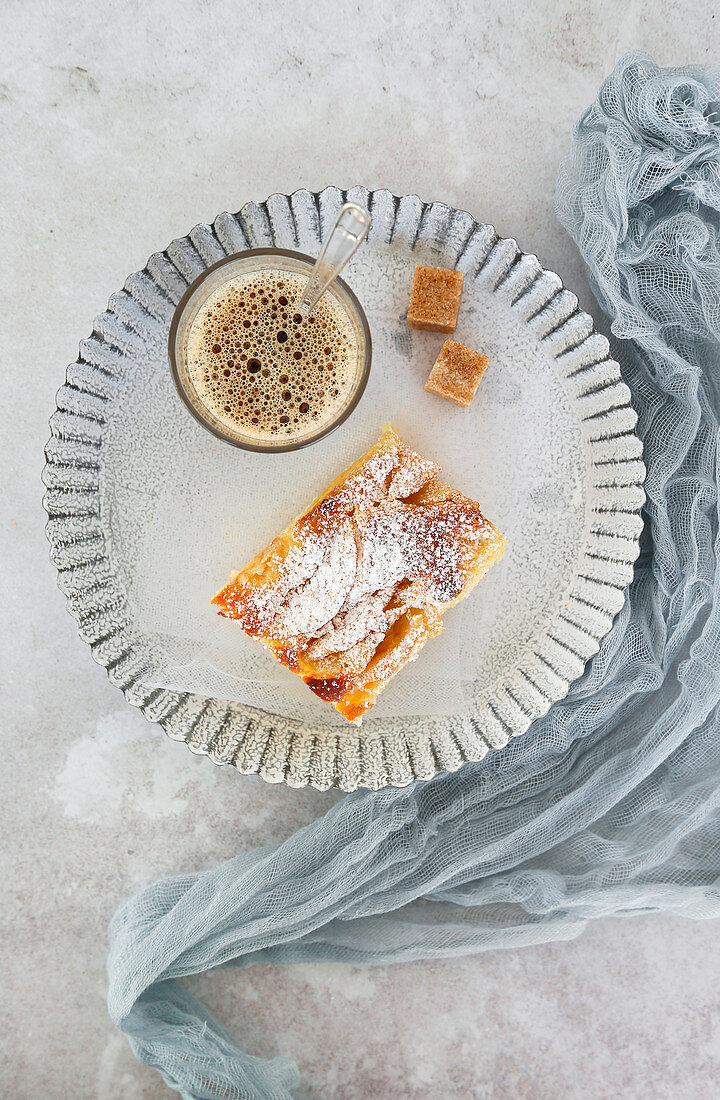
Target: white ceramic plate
point(551, 437)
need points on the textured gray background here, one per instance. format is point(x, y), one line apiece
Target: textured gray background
point(123, 124)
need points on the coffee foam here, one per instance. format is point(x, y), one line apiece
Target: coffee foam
point(260, 369)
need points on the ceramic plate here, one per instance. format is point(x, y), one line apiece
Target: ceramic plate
point(550, 438)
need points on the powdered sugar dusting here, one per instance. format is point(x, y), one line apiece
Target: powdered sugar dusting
point(415, 472)
point(387, 543)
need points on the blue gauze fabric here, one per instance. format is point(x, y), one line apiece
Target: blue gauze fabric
point(609, 804)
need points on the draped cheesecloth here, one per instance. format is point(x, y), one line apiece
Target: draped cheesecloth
point(609, 804)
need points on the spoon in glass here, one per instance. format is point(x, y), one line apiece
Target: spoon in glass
point(343, 240)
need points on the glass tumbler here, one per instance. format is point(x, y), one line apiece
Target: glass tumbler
point(251, 262)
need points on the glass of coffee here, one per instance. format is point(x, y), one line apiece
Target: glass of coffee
point(253, 369)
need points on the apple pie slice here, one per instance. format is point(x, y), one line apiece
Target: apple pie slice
point(356, 586)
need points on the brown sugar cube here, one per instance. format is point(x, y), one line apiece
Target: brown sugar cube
point(456, 373)
point(435, 299)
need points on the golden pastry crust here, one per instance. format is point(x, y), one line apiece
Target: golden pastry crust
point(352, 590)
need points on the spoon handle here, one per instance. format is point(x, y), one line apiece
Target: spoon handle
point(346, 235)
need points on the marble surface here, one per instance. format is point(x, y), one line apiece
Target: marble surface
point(123, 124)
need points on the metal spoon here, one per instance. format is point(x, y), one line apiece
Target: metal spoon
point(342, 242)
